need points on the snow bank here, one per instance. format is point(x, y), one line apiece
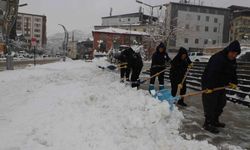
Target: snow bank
point(75, 105)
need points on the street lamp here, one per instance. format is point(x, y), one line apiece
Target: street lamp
point(65, 42)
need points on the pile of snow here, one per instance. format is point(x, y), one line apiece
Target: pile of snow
point(75, 105)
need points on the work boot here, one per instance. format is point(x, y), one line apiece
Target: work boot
point(161, 87)
point(181, 103)
point(219, 124)
point(151, 87)
point(210, 127)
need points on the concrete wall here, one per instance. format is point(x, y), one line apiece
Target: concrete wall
point(191, 28)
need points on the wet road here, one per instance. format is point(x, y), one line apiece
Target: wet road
point(236, 117)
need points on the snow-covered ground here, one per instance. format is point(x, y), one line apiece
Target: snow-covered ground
point(77, 106)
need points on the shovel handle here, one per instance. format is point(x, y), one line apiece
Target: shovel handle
point(204, 91)
point(155, 75)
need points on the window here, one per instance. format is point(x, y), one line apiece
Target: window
point(199, 54)
point(207, 18)
point(199, 18)
point(206, 41)
point(196, 41)
point(197, 28)
point(187, 26)
point(128, 19)
point(215, 20)
point(37, 19)
point(37, 25)
point(135, 30)
point(37, 30)
point(214, 42)
point(206, 29)
point(186, 40)
point(144, 30)
point(37, 35)
point(215, 29)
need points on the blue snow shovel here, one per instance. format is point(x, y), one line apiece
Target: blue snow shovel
point(165, 95)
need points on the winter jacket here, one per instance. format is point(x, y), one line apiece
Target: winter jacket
point(220, 71)
point(133, 59)
point(179, 66)
point(159, 59)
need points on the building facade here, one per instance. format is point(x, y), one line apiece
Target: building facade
point(32, 25)
point(240, 23)
point(133, 21)
point(196, 27)
point(106, 39)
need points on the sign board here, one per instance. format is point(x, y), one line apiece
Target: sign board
point(33, 41)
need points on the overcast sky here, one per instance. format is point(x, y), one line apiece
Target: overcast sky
point(84, 14)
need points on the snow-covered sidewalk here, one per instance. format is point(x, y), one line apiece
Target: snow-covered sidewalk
point(77, 106)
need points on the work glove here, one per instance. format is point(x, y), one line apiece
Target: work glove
point(180, 86)
point(209, 91)
point(190, 66)
point(232, 86)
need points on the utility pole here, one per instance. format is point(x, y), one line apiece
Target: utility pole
point(33, 43)
point(65, 42)
point(10, 15)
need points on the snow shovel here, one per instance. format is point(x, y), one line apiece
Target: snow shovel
point(155, 75)
point(165, 95)
point(183, 80)
point(111, 67)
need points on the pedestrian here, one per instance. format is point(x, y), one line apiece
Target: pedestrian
point(159, 60)
point(220, 71)
point(178, 70)
point(135, 63)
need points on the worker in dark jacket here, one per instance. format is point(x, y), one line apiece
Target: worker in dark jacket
point(220, 71)
point(159, 59)
point(135, 63)
point(178, 70)
point(124, 68)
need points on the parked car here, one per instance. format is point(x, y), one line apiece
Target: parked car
point(198, 57)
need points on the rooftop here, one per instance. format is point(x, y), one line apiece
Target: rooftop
point(31, 14)
point(193, 5)
point(138, 14)
point(120, 31)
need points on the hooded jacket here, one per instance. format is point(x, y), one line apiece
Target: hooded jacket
point(132, 58)
point(220, 71)
point(159, 59)
point(179, 66)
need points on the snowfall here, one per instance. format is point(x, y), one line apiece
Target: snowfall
point(74, 105)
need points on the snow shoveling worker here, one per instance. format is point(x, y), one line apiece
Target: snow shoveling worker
point(178, 69)
point(220, 71)
point(159, 60)
point(135, 63)
point(124, 68)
